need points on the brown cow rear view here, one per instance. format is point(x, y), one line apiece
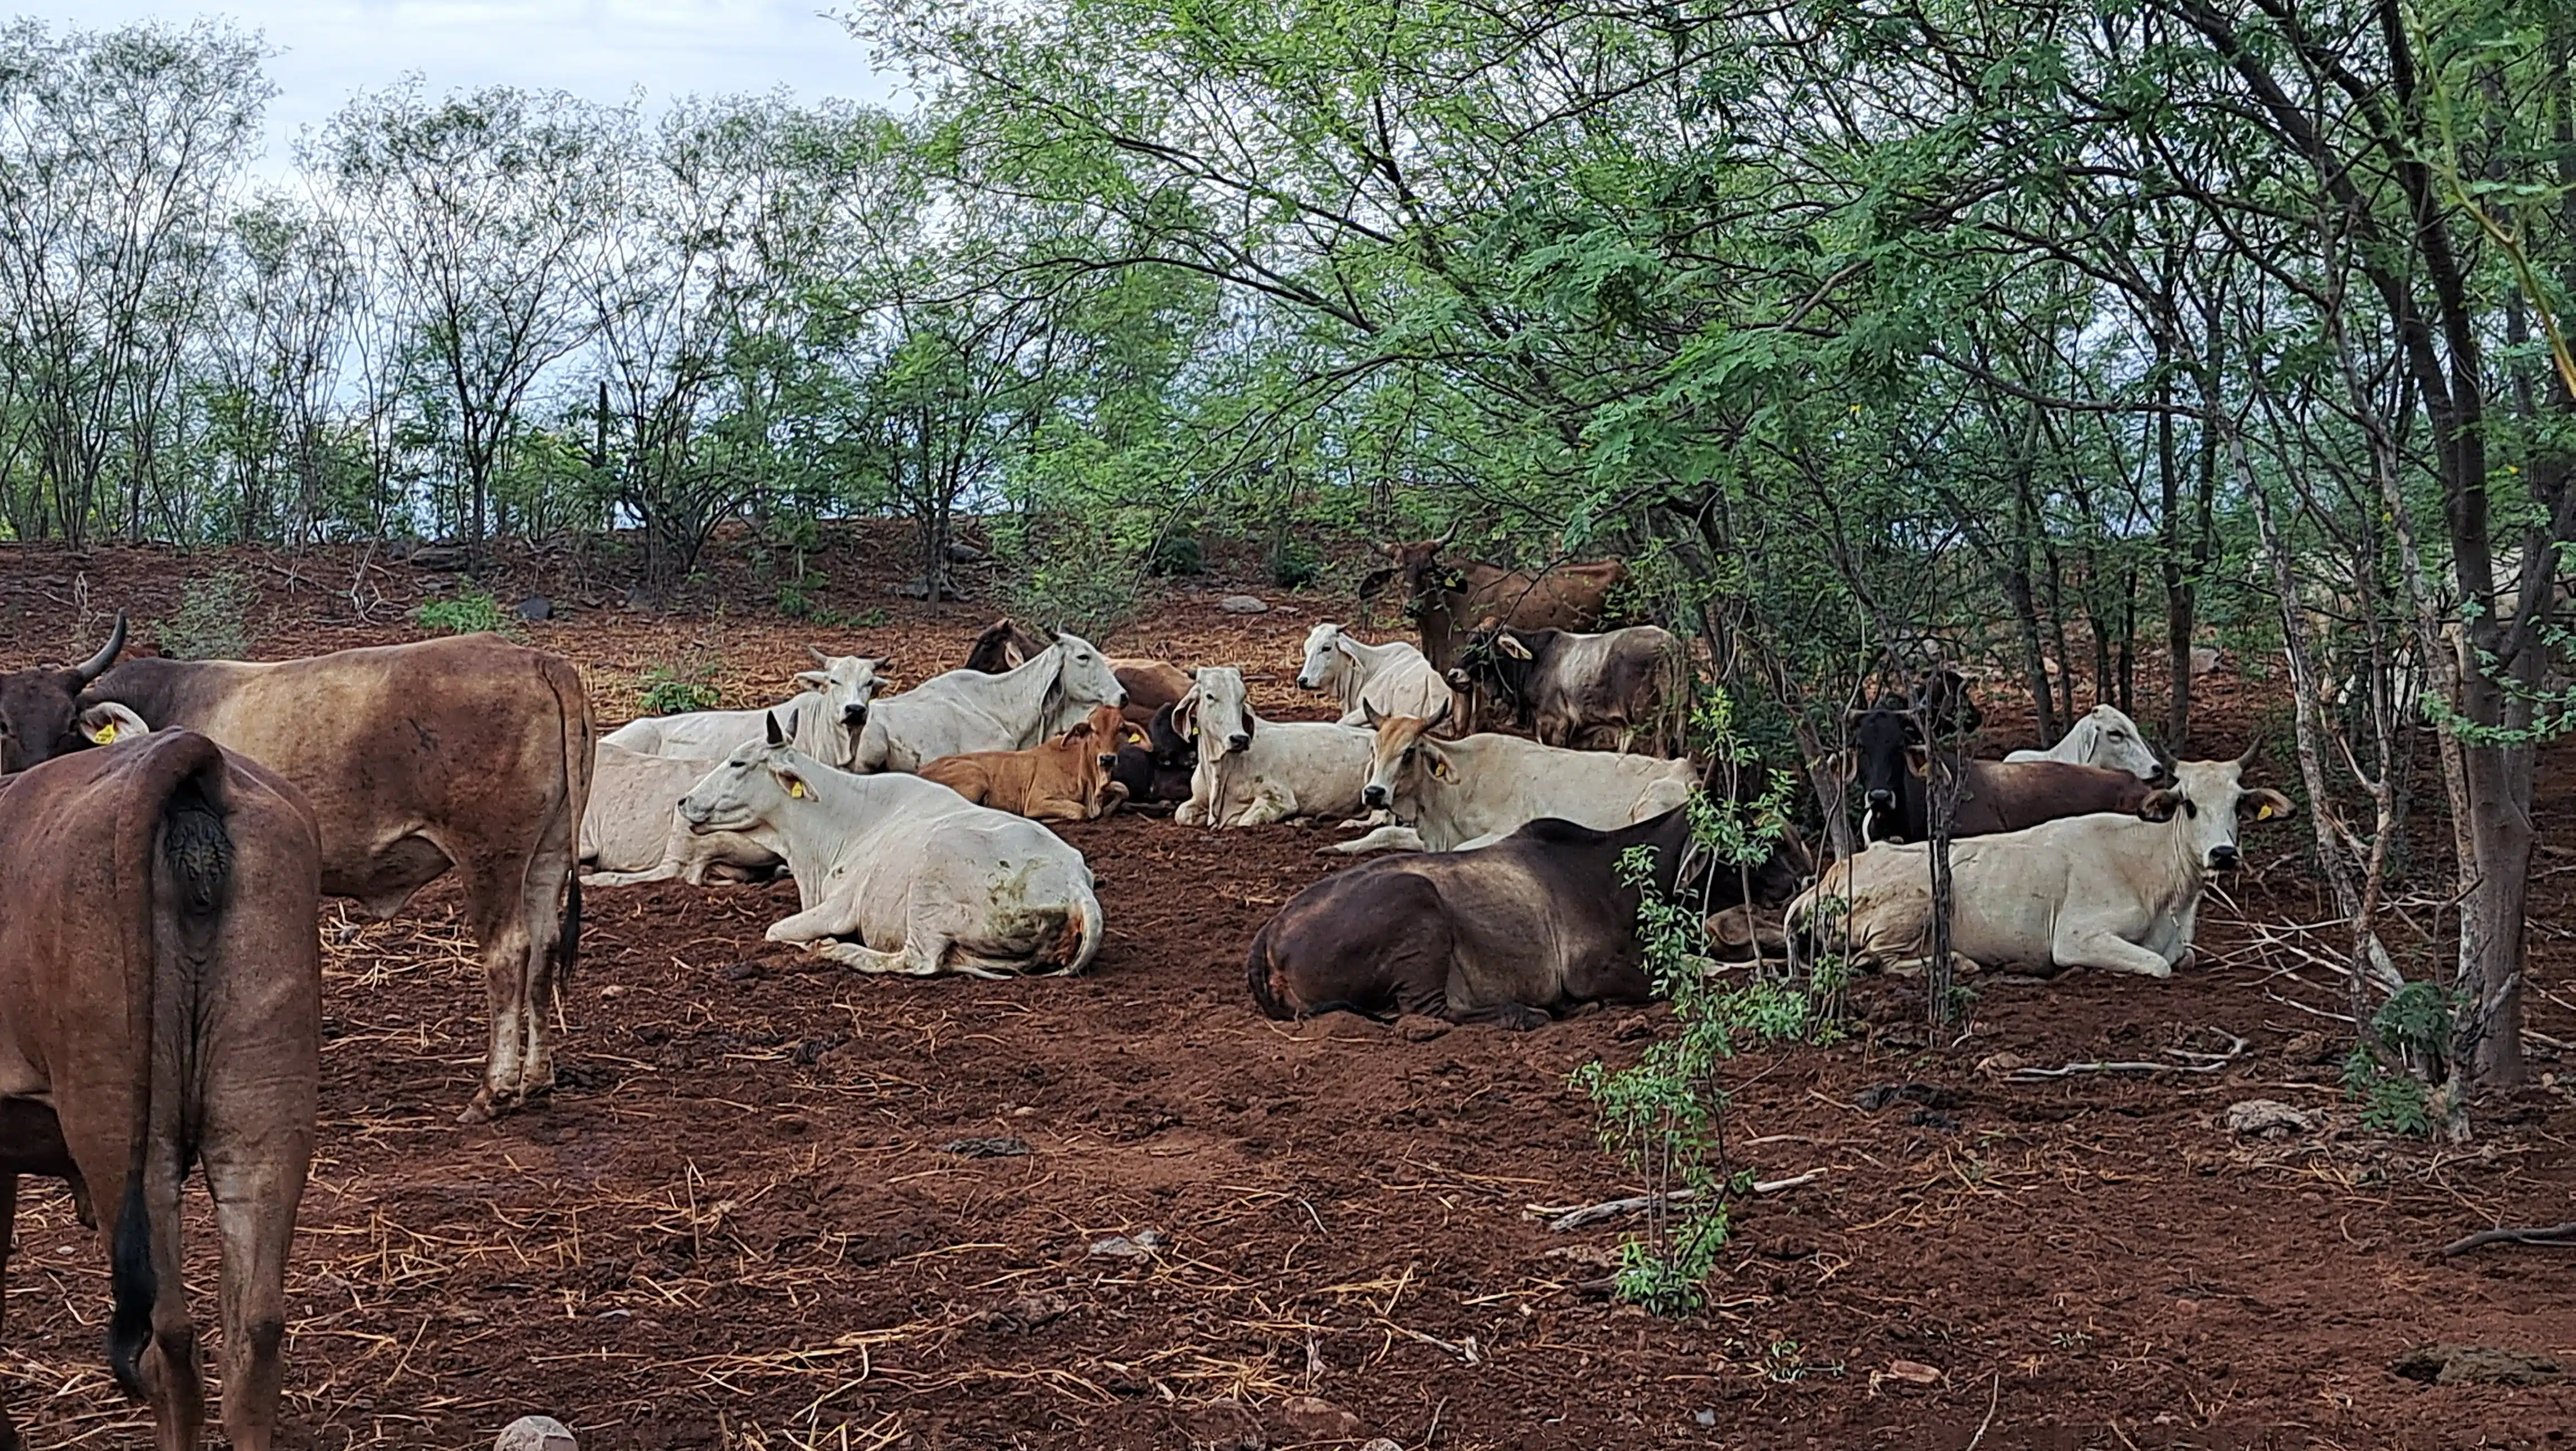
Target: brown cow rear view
point(1445, 600)
point(469, 753)
point(160, 1001)
point(1063, 780)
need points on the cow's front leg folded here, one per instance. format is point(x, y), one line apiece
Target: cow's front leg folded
point(858, 955)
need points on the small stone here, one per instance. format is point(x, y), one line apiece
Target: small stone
point(2265, 1118)
point(743, 971)
point(2000, 1065)
point(1705, 1418)
point(613, 991)
point(1416, 1028)
point(1319, 1418)
point(2203, 660)
point(996, 1148)
point(2453, 1365)
point(1243, 605)
point(1028, 1312)
point(536, 1433)
point(1913, 1372)
point(536, 607)
point(1141, 1245)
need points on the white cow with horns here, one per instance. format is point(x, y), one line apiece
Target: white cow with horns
point(900, 875)
point(1392, 679)
point(824, 719)
point(969, 710)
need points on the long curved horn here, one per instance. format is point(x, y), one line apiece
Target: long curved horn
point(1452, 533)
point(96, 665)
point(2251, 752)
point(817, 652)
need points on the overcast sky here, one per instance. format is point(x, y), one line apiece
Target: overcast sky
point(601, 49)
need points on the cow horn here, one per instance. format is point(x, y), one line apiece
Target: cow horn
point(1451, 533)
point(2251, 752)
point(1432, 722)
point(776, 737)
point(819, 657)
point(96, 665)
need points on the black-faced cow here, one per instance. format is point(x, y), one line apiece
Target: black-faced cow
point(1605, 692)
point(469, 754)
point(1508, 933)
point(1889, 761)
point(161, 1009)
point(1157, 772)
point(1446, 599)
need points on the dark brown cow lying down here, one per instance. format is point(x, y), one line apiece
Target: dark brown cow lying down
point(1508, 933)
point(161, 1004)
point(469, 753)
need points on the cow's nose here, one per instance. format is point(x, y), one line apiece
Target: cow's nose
point(854, 715)
point(1882, 798)
point(1372, 796)
point(1236, 743)
point(2222, 857)
point(1304, 684)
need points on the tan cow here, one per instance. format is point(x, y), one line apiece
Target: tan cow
point(469, 754)
point(160, 1009)
point(1064, 780)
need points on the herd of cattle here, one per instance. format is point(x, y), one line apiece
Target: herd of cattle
point(167, 829)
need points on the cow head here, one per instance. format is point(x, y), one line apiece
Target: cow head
point(1083, 675)
point(1418, 565)
point(1004, 646)
point(1403, 757)
point(1939, 697)
point(2208, 804)
point(1882, 738)
point(847, 683)
point(1328, 654)
point(1105, 729)
point(1214, 711)
point(40, 710)
point(1498, 659)
point(2115, 744)
point(752, 787)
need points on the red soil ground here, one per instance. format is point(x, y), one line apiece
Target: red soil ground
point(736, 1224)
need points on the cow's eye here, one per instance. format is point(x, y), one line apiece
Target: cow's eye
point(2190, 809)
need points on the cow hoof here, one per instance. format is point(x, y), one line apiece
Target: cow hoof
point(478, 1109)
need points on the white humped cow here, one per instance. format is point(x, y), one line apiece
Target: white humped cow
point(631, 831)
point(1392, 679)
point(1473, 791)
point(2107, 738)
point(1251, 771)
point(969, 710)
point(824, 719)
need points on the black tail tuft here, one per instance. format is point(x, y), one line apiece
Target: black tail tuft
point(567, 950)
point(134, 1287)
point(1256, 976)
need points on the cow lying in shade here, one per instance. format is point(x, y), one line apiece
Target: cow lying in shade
point(1509, 933)
point(1391, 679)
point(1157, 770)
point(1888, 758)
point(161, 1009)
point(2106, 738)
point(632, 832)
point(824, 719)
point(1449, 795)
point(2108, 891)
point(969, 710)
point(897, 874)
point(1067, 779)
point(1251, 771)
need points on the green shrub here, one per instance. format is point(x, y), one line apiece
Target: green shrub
point(796, 599)
point(1084, 584)
point(463, 614)
point(684, 685)
point(1295, 566)
point(1175, 554)
point(2401, 1052)
point(212, 621)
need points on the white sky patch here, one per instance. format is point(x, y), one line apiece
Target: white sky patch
point(603, 50)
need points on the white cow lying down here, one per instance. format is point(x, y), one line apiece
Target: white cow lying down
point(632, 832)
point(1474, 791)
point(2105, 737)
point(1252, 772)
point(1390, 679)
point(824, 719)
point(965, 711)
point(898, 874)
point(2110, 891)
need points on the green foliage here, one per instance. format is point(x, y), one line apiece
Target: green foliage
point(1295, 566)
point(672, 687)
point(212, 621)
point(1082, 582)
point(2400, 1054)
point(1175, 554)
point(463, 613)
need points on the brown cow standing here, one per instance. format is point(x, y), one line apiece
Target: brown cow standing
point(1067, 779)
point(161, 1003)
point(1446, 600)
point(1150, 684)
point(469, 753)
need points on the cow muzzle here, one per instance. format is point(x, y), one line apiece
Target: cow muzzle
point(1881, 800)
point(1237, 743)
point(694, 816)
point(2223, 858)
point(1373, 796)
point(854, 716)
point(1305, 684)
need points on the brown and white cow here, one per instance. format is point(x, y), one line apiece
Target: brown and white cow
point(1444, 600)
point(1605, 692)
point(1066, 779)
point(161, 1009)
point(468, 754)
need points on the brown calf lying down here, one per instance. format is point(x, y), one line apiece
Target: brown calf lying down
point(161, 1007)
point(1067, 779)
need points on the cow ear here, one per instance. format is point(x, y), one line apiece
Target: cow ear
point(1438, 760)
point(1132, 734)
point(1081, 731)
point(108, 721)
point(2263, 804)
point(1511, 646)
point(1374, 581)
point(2160, 806)
point(791, 783)
point(1185, 713)
point(1918, 760)
point(815, 678)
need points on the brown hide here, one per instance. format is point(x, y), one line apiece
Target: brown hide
point(469, 752)
point(1445, 600)
point(160, 998)
point(1150, 685)
point(1004, 646)
point(2010, 795)
point(1062, 780)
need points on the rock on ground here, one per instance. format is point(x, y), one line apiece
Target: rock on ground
point(535, 1433)
point(2453, 1365)
point(2266, 1119)
point(1243, 605)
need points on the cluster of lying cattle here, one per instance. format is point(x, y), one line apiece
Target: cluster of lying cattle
point(159, 964)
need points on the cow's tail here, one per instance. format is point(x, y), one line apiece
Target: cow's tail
point(176, 872)
point(580, 755)
point(1079, 942)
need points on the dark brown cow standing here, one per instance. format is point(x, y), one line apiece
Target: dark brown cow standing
point(1446, 600)
point(1887, 760)
point(470, 753)
point(161, 1004)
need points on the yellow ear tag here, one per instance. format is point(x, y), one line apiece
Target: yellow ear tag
point(796, 789)
point(103, 734)
point(1440, 771)
point(2263, 812)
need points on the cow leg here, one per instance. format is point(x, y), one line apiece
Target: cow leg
point(823, 919)
point(1385, 838)
point(542, 897)
point(255, 1196)
point(861, 956)
point(172, 1372)
point(2096, 948)
point(1270, 803)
